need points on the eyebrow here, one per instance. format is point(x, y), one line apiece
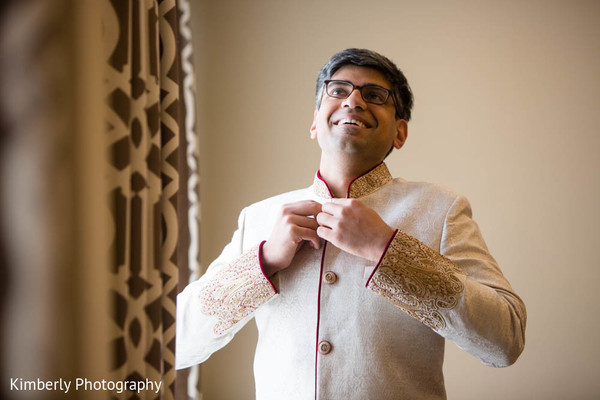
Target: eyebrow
point(366, 84)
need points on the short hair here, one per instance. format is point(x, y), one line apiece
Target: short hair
point(400, 90)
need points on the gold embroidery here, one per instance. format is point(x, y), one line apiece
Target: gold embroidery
point(361, 186)
point(236, 292)
point(320, 188)
point(371, 181)
point(418, 280)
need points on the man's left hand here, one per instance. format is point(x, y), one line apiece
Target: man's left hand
point(353, 227)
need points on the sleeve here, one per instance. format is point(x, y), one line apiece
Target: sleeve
point(459, 292)
point(211, 310)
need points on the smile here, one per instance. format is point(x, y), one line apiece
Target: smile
point(346, 121)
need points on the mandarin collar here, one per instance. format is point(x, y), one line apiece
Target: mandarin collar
point(360, 186)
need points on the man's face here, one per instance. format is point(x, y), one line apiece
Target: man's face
point(354, 127)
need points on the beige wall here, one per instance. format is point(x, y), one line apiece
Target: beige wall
point(507, 99)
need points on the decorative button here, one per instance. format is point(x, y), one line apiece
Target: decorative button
point(324, 347)
point(330, 277)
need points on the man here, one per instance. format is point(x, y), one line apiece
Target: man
point(356, 281)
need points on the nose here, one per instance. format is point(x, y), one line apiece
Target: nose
point(355, 100)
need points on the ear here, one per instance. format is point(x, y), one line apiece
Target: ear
point(401, 133)
point(313, 127)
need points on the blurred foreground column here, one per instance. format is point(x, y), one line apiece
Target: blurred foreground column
point(53, 209)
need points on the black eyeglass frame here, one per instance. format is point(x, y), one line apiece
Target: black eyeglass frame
point(360, 89)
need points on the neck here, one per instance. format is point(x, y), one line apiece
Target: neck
point(339, 173)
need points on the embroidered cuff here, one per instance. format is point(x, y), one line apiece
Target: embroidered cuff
point(417, 279)
point(236, 291)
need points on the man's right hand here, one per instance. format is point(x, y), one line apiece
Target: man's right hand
point(295, 224)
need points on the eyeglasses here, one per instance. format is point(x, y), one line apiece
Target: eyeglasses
point(370, 93)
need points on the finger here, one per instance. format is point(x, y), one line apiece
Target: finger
point(303, 207)
point(341, 200)
point(333, 208)
point(327, 234)
point(310, 235)
point(299, 220)
point(326, 219)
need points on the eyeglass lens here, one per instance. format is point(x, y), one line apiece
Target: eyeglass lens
point(370, 93)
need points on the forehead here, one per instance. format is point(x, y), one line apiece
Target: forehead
point(361, 76)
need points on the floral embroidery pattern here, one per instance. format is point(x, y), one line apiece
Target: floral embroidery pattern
point(320, 188)
point(236, 291)
point(371, 181)
point(361, 186)
point(418, 280)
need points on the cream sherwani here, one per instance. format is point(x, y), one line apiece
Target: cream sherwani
point(336, 326)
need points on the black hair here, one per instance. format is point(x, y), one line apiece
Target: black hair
point(400, 90)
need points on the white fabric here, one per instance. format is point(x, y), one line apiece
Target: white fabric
point(378, 351)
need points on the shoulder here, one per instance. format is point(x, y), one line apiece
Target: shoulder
point(273, 203)
point(402, 187)
point(430, 198)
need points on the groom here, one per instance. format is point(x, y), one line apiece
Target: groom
point(356, 281)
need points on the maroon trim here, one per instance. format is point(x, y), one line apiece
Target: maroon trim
point(360, 176)
point(326, 185)
point(319, 315)
point(262, 269)
point(381, 258)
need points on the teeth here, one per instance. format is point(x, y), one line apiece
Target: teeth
point(351, 122)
